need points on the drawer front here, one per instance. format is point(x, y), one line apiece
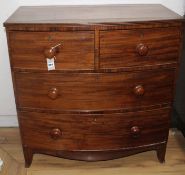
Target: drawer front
point(101, 91)
point(30, 49)
point(94, 132)
point(125, 48)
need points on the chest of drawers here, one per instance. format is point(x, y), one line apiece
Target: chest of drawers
point(111, 89)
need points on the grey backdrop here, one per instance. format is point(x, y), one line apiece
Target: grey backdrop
point(178, 117)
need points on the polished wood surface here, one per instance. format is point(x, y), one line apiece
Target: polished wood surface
point(92, 14)
point(125, 48)
point(50, 18)
point(94, 91)
point(111, 92)
point(105, 132)
point(143, 163)
point(30, 49)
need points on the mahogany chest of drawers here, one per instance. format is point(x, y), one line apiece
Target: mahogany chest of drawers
point(94, 82)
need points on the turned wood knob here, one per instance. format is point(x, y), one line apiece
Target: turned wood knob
point(135, 131)
point(49, 53)
point(55, 133)
point(52, 51)
point(139, 90)
point(142, 49)
point(53, 93)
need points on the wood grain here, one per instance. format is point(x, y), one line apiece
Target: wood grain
point(94, 132)
point(58, 18)
point(118, 47)
point(94, 91)
point(143, 163)
point(76, 51)
point(115, 71)
point(92, 14)
point(103, 26)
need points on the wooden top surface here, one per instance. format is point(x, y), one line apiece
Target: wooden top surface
point(90, 14)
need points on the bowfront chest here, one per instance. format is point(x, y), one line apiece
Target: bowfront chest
point(94, 82)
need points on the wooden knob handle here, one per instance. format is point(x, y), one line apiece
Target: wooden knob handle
point(142, 49)
point(139, 90)
point(135, 131)
point(55, 133)
point(53, 93)
point(52, 51)
point(49, 52)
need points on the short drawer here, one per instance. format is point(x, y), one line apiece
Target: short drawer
point(94, 132)
point(72, 50)
point(142, 47)
point(94, 91)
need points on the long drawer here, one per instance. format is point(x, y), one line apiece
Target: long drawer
point(29, 50)
point(94, 132)
point(141, 47)
point(94, 91)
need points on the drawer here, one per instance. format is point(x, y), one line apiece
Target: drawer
point(29, 50)
point(94, 132)
point(142, 47)
point(94, 91)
